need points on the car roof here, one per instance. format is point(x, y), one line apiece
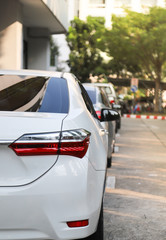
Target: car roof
point(34, 73)
point(103, 84)
point(91, 87)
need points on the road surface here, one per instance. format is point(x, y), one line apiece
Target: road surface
point(135, 197)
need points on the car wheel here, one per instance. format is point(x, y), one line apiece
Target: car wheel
point(99, 234)
point(109, 162)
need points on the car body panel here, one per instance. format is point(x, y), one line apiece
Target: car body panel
point(37, 211)
point(19, 170)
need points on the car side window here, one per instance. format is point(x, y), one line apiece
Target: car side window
point(87, 101)
point(104, 98)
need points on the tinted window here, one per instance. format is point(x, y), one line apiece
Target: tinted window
point(87, 101)
point(104, 98)
point(108, 90)
point(33, 94)
point(92, 93)
point(56, 98)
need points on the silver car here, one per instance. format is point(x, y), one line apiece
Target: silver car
point(100, 100)
point(111, 94)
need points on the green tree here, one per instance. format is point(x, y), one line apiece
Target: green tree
point(84, 40)
point(137, 44)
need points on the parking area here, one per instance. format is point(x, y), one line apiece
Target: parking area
point(135, 198)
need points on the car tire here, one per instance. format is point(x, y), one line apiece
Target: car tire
point(99, 234)
point(113, 148)
point(119, 124)
point(109, 162)
point(116, 127)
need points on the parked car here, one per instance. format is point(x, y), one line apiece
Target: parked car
point(111, 94)
point(53, 152)
point(100, 100)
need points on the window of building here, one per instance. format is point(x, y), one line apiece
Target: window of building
point(149, 3)
point(122, 3)
point(96, 2)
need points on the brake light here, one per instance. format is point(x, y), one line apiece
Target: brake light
point(112, 101)
point(98, 114)
point(77, 149)
point(73, 143)
point(29, 149)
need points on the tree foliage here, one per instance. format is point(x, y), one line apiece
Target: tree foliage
point(137, 45)
point(84, 40)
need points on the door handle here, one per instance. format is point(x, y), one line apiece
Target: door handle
point(103, 131)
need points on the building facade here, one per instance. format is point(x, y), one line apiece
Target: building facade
point(105, 8)
point(26, 26)
point(98, 8)
point(25, 29)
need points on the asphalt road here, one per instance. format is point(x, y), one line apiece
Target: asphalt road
point(135, 197)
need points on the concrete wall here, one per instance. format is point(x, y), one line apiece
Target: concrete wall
point(11, 37)
point(60, 9)
point(38, 53)
point(27, 46)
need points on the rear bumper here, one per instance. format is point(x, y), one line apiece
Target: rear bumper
point(72, 190)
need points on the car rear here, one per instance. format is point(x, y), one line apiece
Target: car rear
point(48, 174)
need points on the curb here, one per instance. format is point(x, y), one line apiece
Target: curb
point(144, 116)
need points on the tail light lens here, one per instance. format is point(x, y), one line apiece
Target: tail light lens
point(98, 114)
point(73, 143)
point(112, 101)
point(81, 223)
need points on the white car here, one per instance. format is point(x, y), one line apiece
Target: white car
point(53, 153)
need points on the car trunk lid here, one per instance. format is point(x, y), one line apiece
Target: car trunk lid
point(20, 170)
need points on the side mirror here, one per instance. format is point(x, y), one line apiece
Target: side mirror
point(108, 114)
point(116, 106)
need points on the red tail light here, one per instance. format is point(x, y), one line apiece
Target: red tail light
point(81, 223)
point(77, 149)
point(73, 143)
point(29, 149)
point(98, 114)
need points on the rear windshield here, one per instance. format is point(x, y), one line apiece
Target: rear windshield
point(108, 90)
point(92, 94)
point(33, 94)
